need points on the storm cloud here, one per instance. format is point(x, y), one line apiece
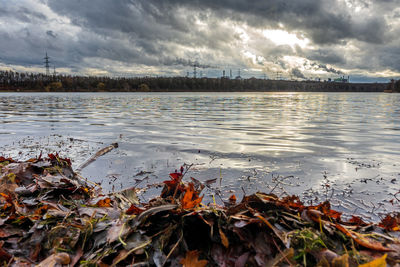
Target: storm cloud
point(320, 38)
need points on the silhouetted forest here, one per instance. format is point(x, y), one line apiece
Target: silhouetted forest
point(393, 86)
point(29, 82)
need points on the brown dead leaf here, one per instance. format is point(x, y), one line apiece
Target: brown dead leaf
point(54, 260)
point(192, 260)
point(4, 255)
point(342, 261)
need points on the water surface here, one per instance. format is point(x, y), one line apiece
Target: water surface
point(338, 146)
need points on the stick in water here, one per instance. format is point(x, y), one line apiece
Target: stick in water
point(99, 153)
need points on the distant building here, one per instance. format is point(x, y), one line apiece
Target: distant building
point(341, 80)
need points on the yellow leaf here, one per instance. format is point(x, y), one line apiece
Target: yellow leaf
point(379, 262)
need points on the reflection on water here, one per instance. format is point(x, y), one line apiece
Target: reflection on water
point(244, 138)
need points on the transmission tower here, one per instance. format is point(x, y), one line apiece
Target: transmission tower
point(195, 65)
point(279, 75)
point(54, 71)
point(47, 64)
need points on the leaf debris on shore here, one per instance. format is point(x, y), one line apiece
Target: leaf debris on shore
point(49, 216)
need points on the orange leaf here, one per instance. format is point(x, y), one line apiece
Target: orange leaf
point(104, 202)
point(232, 199)
point(379, 262)
point(192, 260)
point(190, 199)
point(363, 241)
point(42, 210)
point(224, 239)
point(134, 210)
point(8, 197)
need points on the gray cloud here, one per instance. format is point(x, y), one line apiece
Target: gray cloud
point(326, 68)
point(297, 73)
point(156, 34)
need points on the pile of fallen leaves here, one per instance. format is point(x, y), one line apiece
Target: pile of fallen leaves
point(51, 216)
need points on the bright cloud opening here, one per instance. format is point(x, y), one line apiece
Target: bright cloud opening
point(280, 37)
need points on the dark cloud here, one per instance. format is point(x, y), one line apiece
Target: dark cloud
point(297, 73)
point(185, 63)
point(326, 68)
point(153, 34)
point(51, 34)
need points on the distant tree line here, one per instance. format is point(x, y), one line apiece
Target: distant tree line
point(394, 86)
point(15, 81)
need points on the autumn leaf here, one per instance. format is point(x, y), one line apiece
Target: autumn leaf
point(191, 198)
point(172, 186)
point(192, 260)
point(325, 208)
point(232, 199)
point(4, 255)
point(10, 160)
point(55, 260)
point(356, 220)
point(104, 202)
point(390, 223)
point(363, 241)
point(379, 262)
point(134, 210)
point(224, 239)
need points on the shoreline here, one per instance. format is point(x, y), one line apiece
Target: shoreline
point(59, 217)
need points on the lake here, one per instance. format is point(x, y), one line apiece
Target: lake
point(342, 147)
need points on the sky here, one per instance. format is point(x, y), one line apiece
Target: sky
point(299, 39)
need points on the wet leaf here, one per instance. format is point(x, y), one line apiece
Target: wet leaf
point(342, 261)
point(192, 260)
point(379, 262)
point(224, 239)
point(390, 223)
point(362, 240)
point(4, 255)
point(190, 199)
point(55, 260)
point(117, 231)
point(356, 220)
point(134, 210)
point(106, 202)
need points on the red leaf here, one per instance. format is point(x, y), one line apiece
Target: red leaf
point(175, 176)
point(356, 220)
point(2, 159)
point(134, 210)
point(390, 223)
